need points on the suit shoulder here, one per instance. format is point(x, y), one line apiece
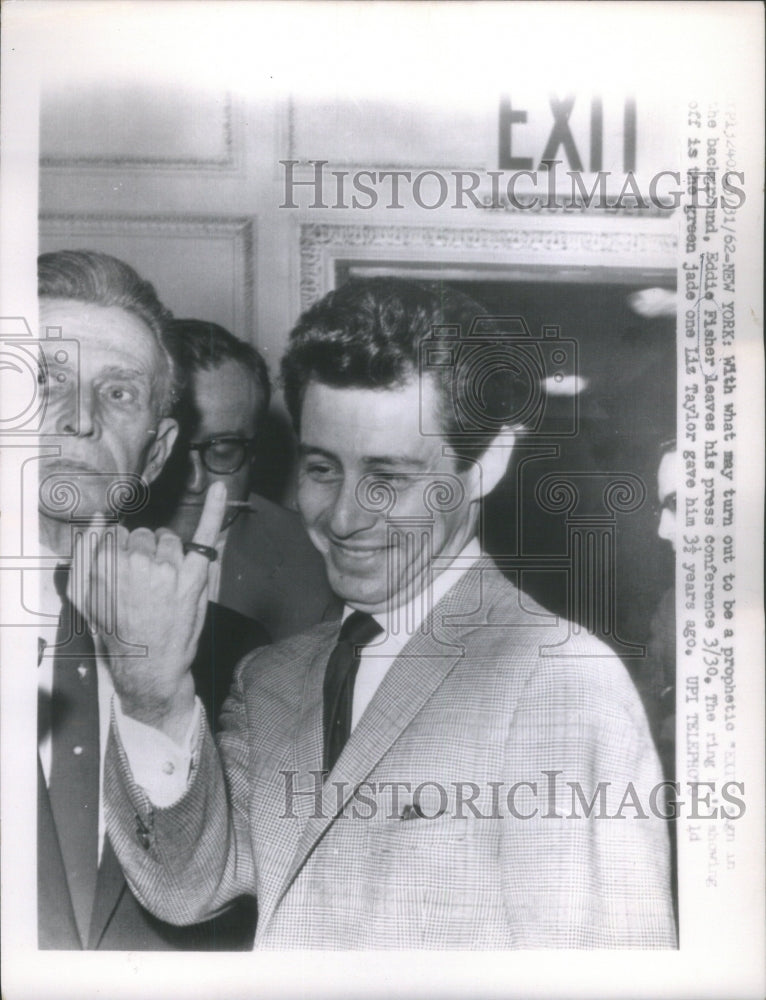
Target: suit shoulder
point(293, 655)
point(584, 677)
point(551, 654)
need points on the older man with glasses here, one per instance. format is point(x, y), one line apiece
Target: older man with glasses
point(266, 568)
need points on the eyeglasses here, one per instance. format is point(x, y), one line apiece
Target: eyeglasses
point(224, 455)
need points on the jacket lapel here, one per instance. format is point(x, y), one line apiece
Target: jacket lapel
point(57, 927)
point(307, 747)
point(110, 886)
point(408, 685)
point(279, 839)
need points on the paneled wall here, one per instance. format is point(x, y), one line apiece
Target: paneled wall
point(187, 186)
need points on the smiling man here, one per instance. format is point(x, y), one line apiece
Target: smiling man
point(359, 440)
point(397, 782)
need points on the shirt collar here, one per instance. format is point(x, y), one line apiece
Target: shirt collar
point(415, 609)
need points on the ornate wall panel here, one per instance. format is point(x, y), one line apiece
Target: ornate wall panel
point(201, 266)
point(593, 253)
point(133, 127)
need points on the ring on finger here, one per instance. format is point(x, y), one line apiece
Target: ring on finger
point(204, 550)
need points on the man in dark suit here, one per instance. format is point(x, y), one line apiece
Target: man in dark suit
point(109, 385)
point(267, 569)
point(453, 767)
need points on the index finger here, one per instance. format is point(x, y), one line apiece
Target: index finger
point(213, 512)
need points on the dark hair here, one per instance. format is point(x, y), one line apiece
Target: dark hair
point(368, 334)
point(97, 278)
point(197, 344)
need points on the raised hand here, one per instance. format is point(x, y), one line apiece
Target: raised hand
point(146, 599)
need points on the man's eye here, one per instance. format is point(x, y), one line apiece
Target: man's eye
point(320, 471)
point(225, 449)
point(119, 394)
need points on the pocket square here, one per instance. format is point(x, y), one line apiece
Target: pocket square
point(412, 811)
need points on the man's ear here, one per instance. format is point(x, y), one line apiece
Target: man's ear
point(166, 434)
point(487, 470)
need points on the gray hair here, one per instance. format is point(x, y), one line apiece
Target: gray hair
point(97, 278)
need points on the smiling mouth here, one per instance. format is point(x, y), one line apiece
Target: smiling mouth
point(359, 551)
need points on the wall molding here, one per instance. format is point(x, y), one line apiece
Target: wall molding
point(228, 161)
point(239, 230)
point(489, 252)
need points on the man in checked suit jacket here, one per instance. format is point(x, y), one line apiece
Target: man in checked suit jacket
point(494, 791)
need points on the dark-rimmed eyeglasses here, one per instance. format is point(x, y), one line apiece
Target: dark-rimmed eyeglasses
point(224, 455)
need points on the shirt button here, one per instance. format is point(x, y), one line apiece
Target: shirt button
point(168, 767)
point(82, 670)
point(77, 751)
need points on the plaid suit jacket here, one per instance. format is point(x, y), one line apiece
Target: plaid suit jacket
point(495, 701)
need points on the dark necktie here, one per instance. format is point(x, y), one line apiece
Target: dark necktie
point(338, 692)
point(73, 786)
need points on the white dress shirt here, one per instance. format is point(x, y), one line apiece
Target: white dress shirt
point(162, 767)
point(399, 626)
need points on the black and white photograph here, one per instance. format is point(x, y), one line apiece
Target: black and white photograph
point(382, 499)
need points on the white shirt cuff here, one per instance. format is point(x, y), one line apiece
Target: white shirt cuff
point(159, 765)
